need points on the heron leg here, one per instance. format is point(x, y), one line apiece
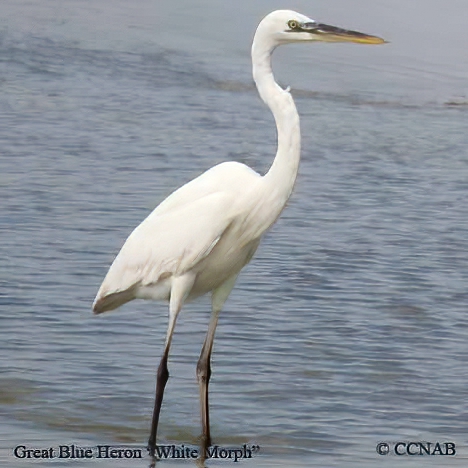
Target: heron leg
point(218, 299)
point(162, 377)
point(180, 289)
point(203, 377)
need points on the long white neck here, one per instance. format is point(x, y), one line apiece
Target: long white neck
point(282, 173)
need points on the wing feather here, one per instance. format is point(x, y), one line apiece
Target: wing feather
point(165, 244)
point(179, 233)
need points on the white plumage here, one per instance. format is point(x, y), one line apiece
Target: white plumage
point(205, 228)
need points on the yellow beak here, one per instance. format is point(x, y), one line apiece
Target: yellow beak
point(329, 33)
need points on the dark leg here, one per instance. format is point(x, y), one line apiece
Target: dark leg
point(218, 299)
point(161, 380)
point(203, 376)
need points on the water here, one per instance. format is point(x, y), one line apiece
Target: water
point(348, 328)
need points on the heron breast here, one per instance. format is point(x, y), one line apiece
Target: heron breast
point(223, 261)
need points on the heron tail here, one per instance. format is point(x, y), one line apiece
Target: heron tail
point(112, 301)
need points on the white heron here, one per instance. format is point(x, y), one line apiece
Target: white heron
point(201, 236)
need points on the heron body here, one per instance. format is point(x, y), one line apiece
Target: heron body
point(200, 237)
point(209, 229)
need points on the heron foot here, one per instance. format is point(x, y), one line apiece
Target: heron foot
point(205, 444)
point(151, 447)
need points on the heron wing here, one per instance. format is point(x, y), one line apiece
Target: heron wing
point(228, 177)
point(165, 244)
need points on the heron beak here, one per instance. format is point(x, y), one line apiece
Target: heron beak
point(327, 33)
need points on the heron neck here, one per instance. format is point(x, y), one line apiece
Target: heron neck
point(282, 173)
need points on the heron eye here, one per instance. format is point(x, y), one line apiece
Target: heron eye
point(293, 24)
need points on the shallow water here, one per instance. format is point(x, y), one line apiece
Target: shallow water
point(347, 329)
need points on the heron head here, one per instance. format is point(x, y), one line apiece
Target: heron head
point(286, 26)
